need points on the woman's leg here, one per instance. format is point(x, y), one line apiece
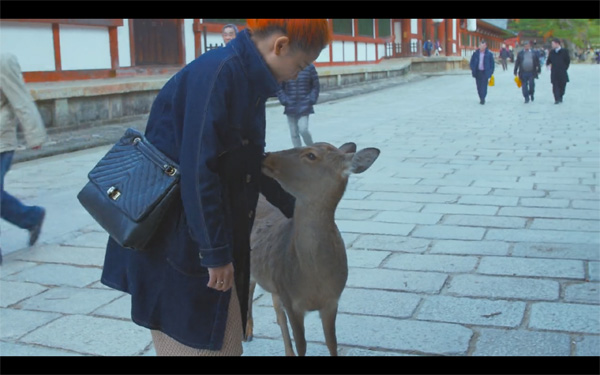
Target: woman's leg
point(232, 342)
point(303, 129)
point(293, 124)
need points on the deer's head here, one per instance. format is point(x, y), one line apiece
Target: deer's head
point(319, 171)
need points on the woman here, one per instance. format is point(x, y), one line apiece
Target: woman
point(229, 32)
point(298, 96)
point(210, 118)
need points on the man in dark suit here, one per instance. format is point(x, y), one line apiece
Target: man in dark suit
point(558, 60)
point(482, 68)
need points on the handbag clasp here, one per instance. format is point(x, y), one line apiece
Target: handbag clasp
point(113, 193)
point(170, 170)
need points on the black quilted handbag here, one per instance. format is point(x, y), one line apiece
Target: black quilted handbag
point(130, 189)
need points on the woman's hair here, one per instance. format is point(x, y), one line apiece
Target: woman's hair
point(230, 25)
point(307, 34)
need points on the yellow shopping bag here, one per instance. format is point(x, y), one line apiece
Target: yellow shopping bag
point(518, 81)
point(491, 83)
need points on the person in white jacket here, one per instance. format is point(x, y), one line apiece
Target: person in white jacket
point(17, 107)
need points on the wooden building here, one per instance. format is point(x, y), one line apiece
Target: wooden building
point(77, 49)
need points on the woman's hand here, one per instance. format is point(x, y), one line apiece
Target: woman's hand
point(221, 278)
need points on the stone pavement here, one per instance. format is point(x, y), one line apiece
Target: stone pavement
point(475, 233)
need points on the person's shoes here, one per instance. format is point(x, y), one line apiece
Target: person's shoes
point(531, 97)
point(556, 101)
point(34, 232)
point(526, 100)
point(482, 101)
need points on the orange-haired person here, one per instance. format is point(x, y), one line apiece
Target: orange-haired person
point(189, 287)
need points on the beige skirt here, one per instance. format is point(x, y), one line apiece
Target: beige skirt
point(232, 342)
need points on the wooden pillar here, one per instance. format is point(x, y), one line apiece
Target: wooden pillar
point(442, 36)
point(114, 48)
point(131, 43)
point(449, 38)
point(56, 40)
point(197, 38)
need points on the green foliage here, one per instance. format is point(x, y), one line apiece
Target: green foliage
point(580, 32)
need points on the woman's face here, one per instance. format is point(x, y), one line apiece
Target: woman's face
point(285, 62)
point(228, 34)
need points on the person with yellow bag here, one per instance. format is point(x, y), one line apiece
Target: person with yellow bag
point(527, 68)
point(482, 69)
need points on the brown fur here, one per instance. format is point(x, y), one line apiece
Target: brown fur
point(302, 261)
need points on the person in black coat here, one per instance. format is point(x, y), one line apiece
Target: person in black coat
point(558, 60)
point(298, 96)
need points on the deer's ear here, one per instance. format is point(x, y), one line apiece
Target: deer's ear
point(362, 160)
point(348, 147)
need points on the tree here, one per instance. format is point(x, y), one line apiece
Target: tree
point(580, 33)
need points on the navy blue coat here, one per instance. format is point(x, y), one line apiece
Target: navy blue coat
point(299, 95)
point(488, 63)
point(210, 118)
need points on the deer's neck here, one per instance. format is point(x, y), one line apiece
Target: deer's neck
point(316, 235)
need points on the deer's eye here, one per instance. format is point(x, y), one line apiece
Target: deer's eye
point(311, 156)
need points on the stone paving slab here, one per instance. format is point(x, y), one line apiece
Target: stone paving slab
point(504, 287)
point(472, 311)
point(567, 317)
point(15, 323)
point(68, 300)
point(79, 333)
point(550, 268)
point(498, 342)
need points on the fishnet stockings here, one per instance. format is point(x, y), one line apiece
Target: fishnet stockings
point(232, 342)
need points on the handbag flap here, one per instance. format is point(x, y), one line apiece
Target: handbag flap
point(134, 175)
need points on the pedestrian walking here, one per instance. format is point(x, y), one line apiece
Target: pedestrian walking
point(229, 32)
point(17, 107)
point(527, 69)
point(427, 46)
point(299, 96)
point(482, 68)
point(190, 287)
point(558, 60)
point(504, 55)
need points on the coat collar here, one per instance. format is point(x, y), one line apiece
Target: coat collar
point(256, 68)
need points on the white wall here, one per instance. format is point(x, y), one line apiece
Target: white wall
point(324, 56)
point(84, 47)
point(381, 50)
point(123, 41)
point(413, 26)
point(366, 52)
point(32, 43)
point(188, 40)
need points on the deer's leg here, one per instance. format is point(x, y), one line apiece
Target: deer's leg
point(328, 315)
point(282, 321)
point(297, 323)
point(250, 320)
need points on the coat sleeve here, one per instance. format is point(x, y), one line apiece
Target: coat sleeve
point(204, 114)
point(315, 86)
point(282, 95)
point(492, 64)
point(13, 87)
point(473, 64)
point(278, 197)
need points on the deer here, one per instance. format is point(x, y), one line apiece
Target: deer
point(302, 260)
